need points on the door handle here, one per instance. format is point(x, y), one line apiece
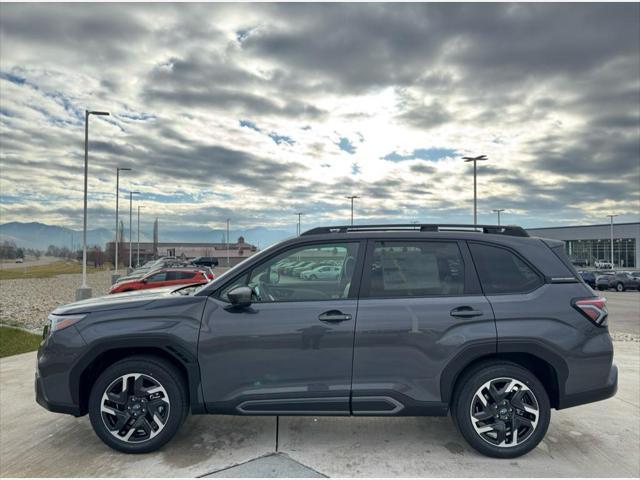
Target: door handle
point(334, 316)
point(465, 312)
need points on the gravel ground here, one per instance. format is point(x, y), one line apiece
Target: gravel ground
point(27, 302)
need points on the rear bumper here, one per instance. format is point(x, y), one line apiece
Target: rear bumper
point(607, 391)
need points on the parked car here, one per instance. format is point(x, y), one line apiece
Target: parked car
point(163, 278)
point(297, 271)
point(138, 273)
point(580, 262)
point(290, 271)
point(623, 281)
point(499, 341)
point(589, 278)
point(323, 272)
point(205, 261)
point(603, 264)
point(602, 280)
point(19, 260)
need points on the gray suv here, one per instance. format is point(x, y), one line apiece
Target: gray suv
point(482, 322)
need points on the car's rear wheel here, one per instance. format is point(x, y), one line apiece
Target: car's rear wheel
point(620, 287)
point(137, 404)
point(501, 409)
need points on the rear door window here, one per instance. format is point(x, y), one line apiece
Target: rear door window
point(501, 271)
point(158, 277)
point(416, 269)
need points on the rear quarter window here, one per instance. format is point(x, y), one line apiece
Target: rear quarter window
point(503, 272)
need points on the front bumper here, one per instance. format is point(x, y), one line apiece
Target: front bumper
point(607, 391)
point(57, 407)
point(55, 389)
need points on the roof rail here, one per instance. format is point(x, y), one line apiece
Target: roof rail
point(511, 230)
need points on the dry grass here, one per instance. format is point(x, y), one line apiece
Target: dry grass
point(46, 271)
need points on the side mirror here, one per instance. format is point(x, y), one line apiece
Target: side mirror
point(240, 296)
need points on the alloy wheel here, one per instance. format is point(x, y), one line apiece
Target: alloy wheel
point(504, 412)
point(135, 407)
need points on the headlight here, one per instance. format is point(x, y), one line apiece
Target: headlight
point(58, 322)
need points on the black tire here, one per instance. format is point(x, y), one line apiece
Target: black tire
point(313, 277)
point(463, 401)
point(620, 287)
point(155, 369)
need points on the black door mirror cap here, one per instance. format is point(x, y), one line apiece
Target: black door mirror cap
point(240, 296)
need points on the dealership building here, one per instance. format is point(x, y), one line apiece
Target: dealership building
point(589, 243)
point(227, 254)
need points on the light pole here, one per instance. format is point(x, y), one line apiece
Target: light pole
point(352, 197)
point(611, 217)
point(84, 291)
point(138, 260)
point(131, 227)
point(498, 210)
point(228, 220)
point(475, 189)
point(299, 230)
point(118, 170)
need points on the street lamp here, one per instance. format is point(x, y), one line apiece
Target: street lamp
point(138, 261)
point(611, 217)
point(352, 197)
point(479, 158)
point(498, 210)
point(299, 215)
point(84, 291)
point(118, 170)
point(131, 227)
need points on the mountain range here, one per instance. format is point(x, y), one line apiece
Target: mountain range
point(39, 235)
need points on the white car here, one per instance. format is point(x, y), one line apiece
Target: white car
point(20, 260)
point(323, 272)
point(603, 264)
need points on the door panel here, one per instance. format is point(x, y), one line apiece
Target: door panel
point(402, 347)
point(420, 309)
point(277, 357)
point(291, 351)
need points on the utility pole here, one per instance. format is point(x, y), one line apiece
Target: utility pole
point(228, 220)
point(299, 229)
point(611, 217)
point(498, 210)
point(352, 197)
point(138, 261)
point(131, 228)
point(84, 291)
point(118, 170)
point(475, 183)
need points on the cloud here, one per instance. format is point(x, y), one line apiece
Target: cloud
point(234, 110)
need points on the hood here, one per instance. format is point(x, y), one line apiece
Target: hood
point(116, 301)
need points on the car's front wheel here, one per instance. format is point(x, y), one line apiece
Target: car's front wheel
point(138, 404)
point(620, 287)
point(501, 409)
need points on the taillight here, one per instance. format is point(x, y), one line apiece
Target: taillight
point(594, 308)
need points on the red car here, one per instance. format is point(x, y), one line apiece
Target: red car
point(164, 278)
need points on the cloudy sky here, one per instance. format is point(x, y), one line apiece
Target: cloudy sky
point(255, 112)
